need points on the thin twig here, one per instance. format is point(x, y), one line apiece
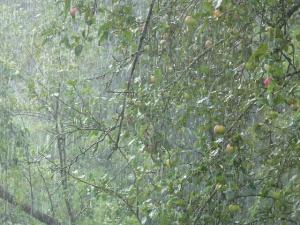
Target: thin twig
point(110, 192)
point(131, 75)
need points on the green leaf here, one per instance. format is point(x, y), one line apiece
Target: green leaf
point(78, 49)
point(103, 32)
point(261, 50)
point(72, 82)
point(158, 73)
point(255, 58)
point(66, 41)
point(67, 6)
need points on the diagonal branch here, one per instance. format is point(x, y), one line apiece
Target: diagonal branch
point(131, 75)
point(290, 13)
point(38, 215)
point(110, 192)
point(294, 8)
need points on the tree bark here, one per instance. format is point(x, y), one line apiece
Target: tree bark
point(38, 215)
point(61, 146)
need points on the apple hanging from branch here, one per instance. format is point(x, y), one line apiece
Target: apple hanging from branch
point(208, 44)
point(73, 11)
point(219, 129)
point(267, 82)
point(229, 148)
point(190, 21)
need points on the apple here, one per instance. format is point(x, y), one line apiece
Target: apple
point(298, 186)
point(219, 129)
point(294, 107)
point(170, 69)
point(273, 114)
point(168, 163)
point(208, 44)
point(190, 21)
point(267, 82)
point(291, 101)
point(162, 42)
point(218, 186)
point(267, 67)
point(73, 11)
point(268, 28)
point(229, 148)
point(152, 79)
point(217, 13)
point(276, 195)
point(186, 95)
point(234, 208)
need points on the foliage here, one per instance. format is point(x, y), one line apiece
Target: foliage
point(112, 113)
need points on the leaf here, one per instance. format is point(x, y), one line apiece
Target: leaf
point(78, 49)
point(66, 41)
point(144, 220)
point(158, 74)
point(255, 58)
point(261, 50)
point(31, 86)
point(67, 6)
point(103, 32)
point(72, 82)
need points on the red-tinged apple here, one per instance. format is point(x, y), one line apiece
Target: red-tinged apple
point(73, 11)
point(267, 82)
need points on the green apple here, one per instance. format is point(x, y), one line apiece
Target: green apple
point(168, 163)
point(276, 195)
point(217, 13)
point(186, 95)
point(190, 21)
point(229, 148)
point(291, 101)
point(152, 79)
point(208, 44)
point(170, 69)
point(294, 107)
point(267, 67)
point(219, 129)
point(162, 42)
point(234, 208)
point(298, 186)
point(273, 114)
point(218, 186)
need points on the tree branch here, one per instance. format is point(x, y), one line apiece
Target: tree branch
point(294, 8)
point(290, 13)
point(38, 215)
point(131, 75)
